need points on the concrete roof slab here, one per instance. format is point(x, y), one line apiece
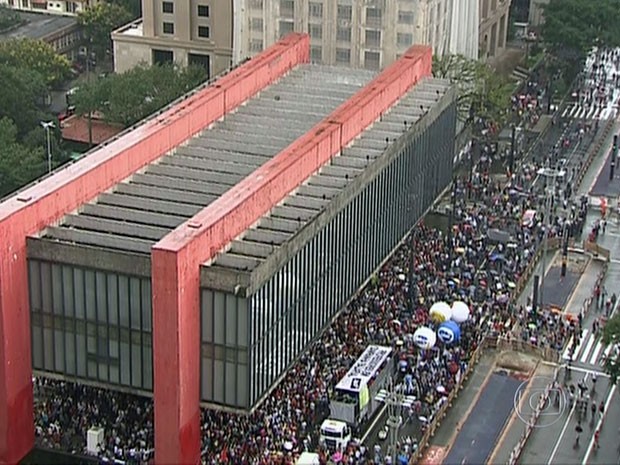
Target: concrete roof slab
point(108, 241)
point(157, 206)
point(216, 166)
point(174, 183)
point(193, 175)
point(130, 214)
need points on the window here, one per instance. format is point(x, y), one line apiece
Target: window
point(343, 56)
point(372, 60)
point(405, 17)
point(345, 12)
point(162, 57)
point(256, 45)
point(404, 39)
point(373, 17)
point(315, 9)
point(168, 28)
point(316, 31)
point(373, 38)
point(198, 59)
point(257, 4)
point(287, 8)
point(204, 32)
point(316, 54)
point(286, 27)
point(343, 34)
point(167, 7)
point(203, 11)
point(256, 24)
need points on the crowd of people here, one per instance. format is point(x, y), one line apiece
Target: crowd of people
point(463, 264)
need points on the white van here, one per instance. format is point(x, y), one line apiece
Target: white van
point(335, 434)
point(308, 458)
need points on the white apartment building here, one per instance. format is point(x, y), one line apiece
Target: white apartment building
point(358, 33)
point(49, 6)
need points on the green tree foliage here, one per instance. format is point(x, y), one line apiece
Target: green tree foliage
point(9, 18)
point(481, 92)
point(611, 335)
point(100, 20)
point(36, 56)
point(19, 164)
point(129, 97)
point(133, 6)
point(573, 27)
point(22, 104)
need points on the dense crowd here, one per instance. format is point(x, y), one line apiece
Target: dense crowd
point(463, 264)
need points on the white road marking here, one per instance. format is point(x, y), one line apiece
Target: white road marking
point(584, 335)
point(586, 351)
point(597, 349)
point(563, 432)
point(600, 422)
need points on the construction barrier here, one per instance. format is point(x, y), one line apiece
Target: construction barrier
point(596, 250)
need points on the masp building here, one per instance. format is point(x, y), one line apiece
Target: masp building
point(196, 255)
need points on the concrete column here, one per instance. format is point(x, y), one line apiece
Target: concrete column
point(176, 350)
point(16, 399)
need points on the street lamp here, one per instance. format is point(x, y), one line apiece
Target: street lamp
point(47, 125)
point(395, 400)
point(547, 173)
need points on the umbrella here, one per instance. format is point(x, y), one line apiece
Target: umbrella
point(511, 285)
point(402, 277)
point(288, 445)
point(337, 457)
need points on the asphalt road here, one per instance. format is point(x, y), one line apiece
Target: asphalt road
point(474, 443)
point(554, 444)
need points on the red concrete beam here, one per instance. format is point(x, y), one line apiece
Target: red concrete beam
point(176, 285)
point(52, 198)
point(176, 259)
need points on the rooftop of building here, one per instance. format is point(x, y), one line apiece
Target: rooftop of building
point(75, 129)
point(138, 212)
point(135, 28)
point(38, 26)
point(257, 250)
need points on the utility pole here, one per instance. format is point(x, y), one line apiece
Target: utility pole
point(614, 154)
point(452, 211)
point(548, 174)
point(48, 125)
point(511, 162)
point(395, 400)
point(90, 112)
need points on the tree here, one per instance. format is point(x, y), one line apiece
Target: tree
point(100, 20)
point(129, 97)
point(37, 56)
point(611, 335)
point(9, 18)
point(573, 27)
point(481, 92)
point(22, 103)
point(19, 164)
point(133, 6)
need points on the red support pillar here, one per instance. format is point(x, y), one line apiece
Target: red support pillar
point(16, 413)
point(176, 350)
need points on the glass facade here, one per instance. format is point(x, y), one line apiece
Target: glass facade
point(224, 349)
point(249, 343)
point(90, 324)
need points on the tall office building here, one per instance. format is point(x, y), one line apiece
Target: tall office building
point(359, 33)
point(369, 33)
point(69, 8)
point(186, 32)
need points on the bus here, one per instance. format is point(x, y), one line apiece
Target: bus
point(354, 400)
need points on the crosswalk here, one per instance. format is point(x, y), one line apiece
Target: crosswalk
point(578, 111)
point(589, 350)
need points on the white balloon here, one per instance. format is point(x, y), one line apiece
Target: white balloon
point(424, 337)
point(460, 311)
point(440, 312)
